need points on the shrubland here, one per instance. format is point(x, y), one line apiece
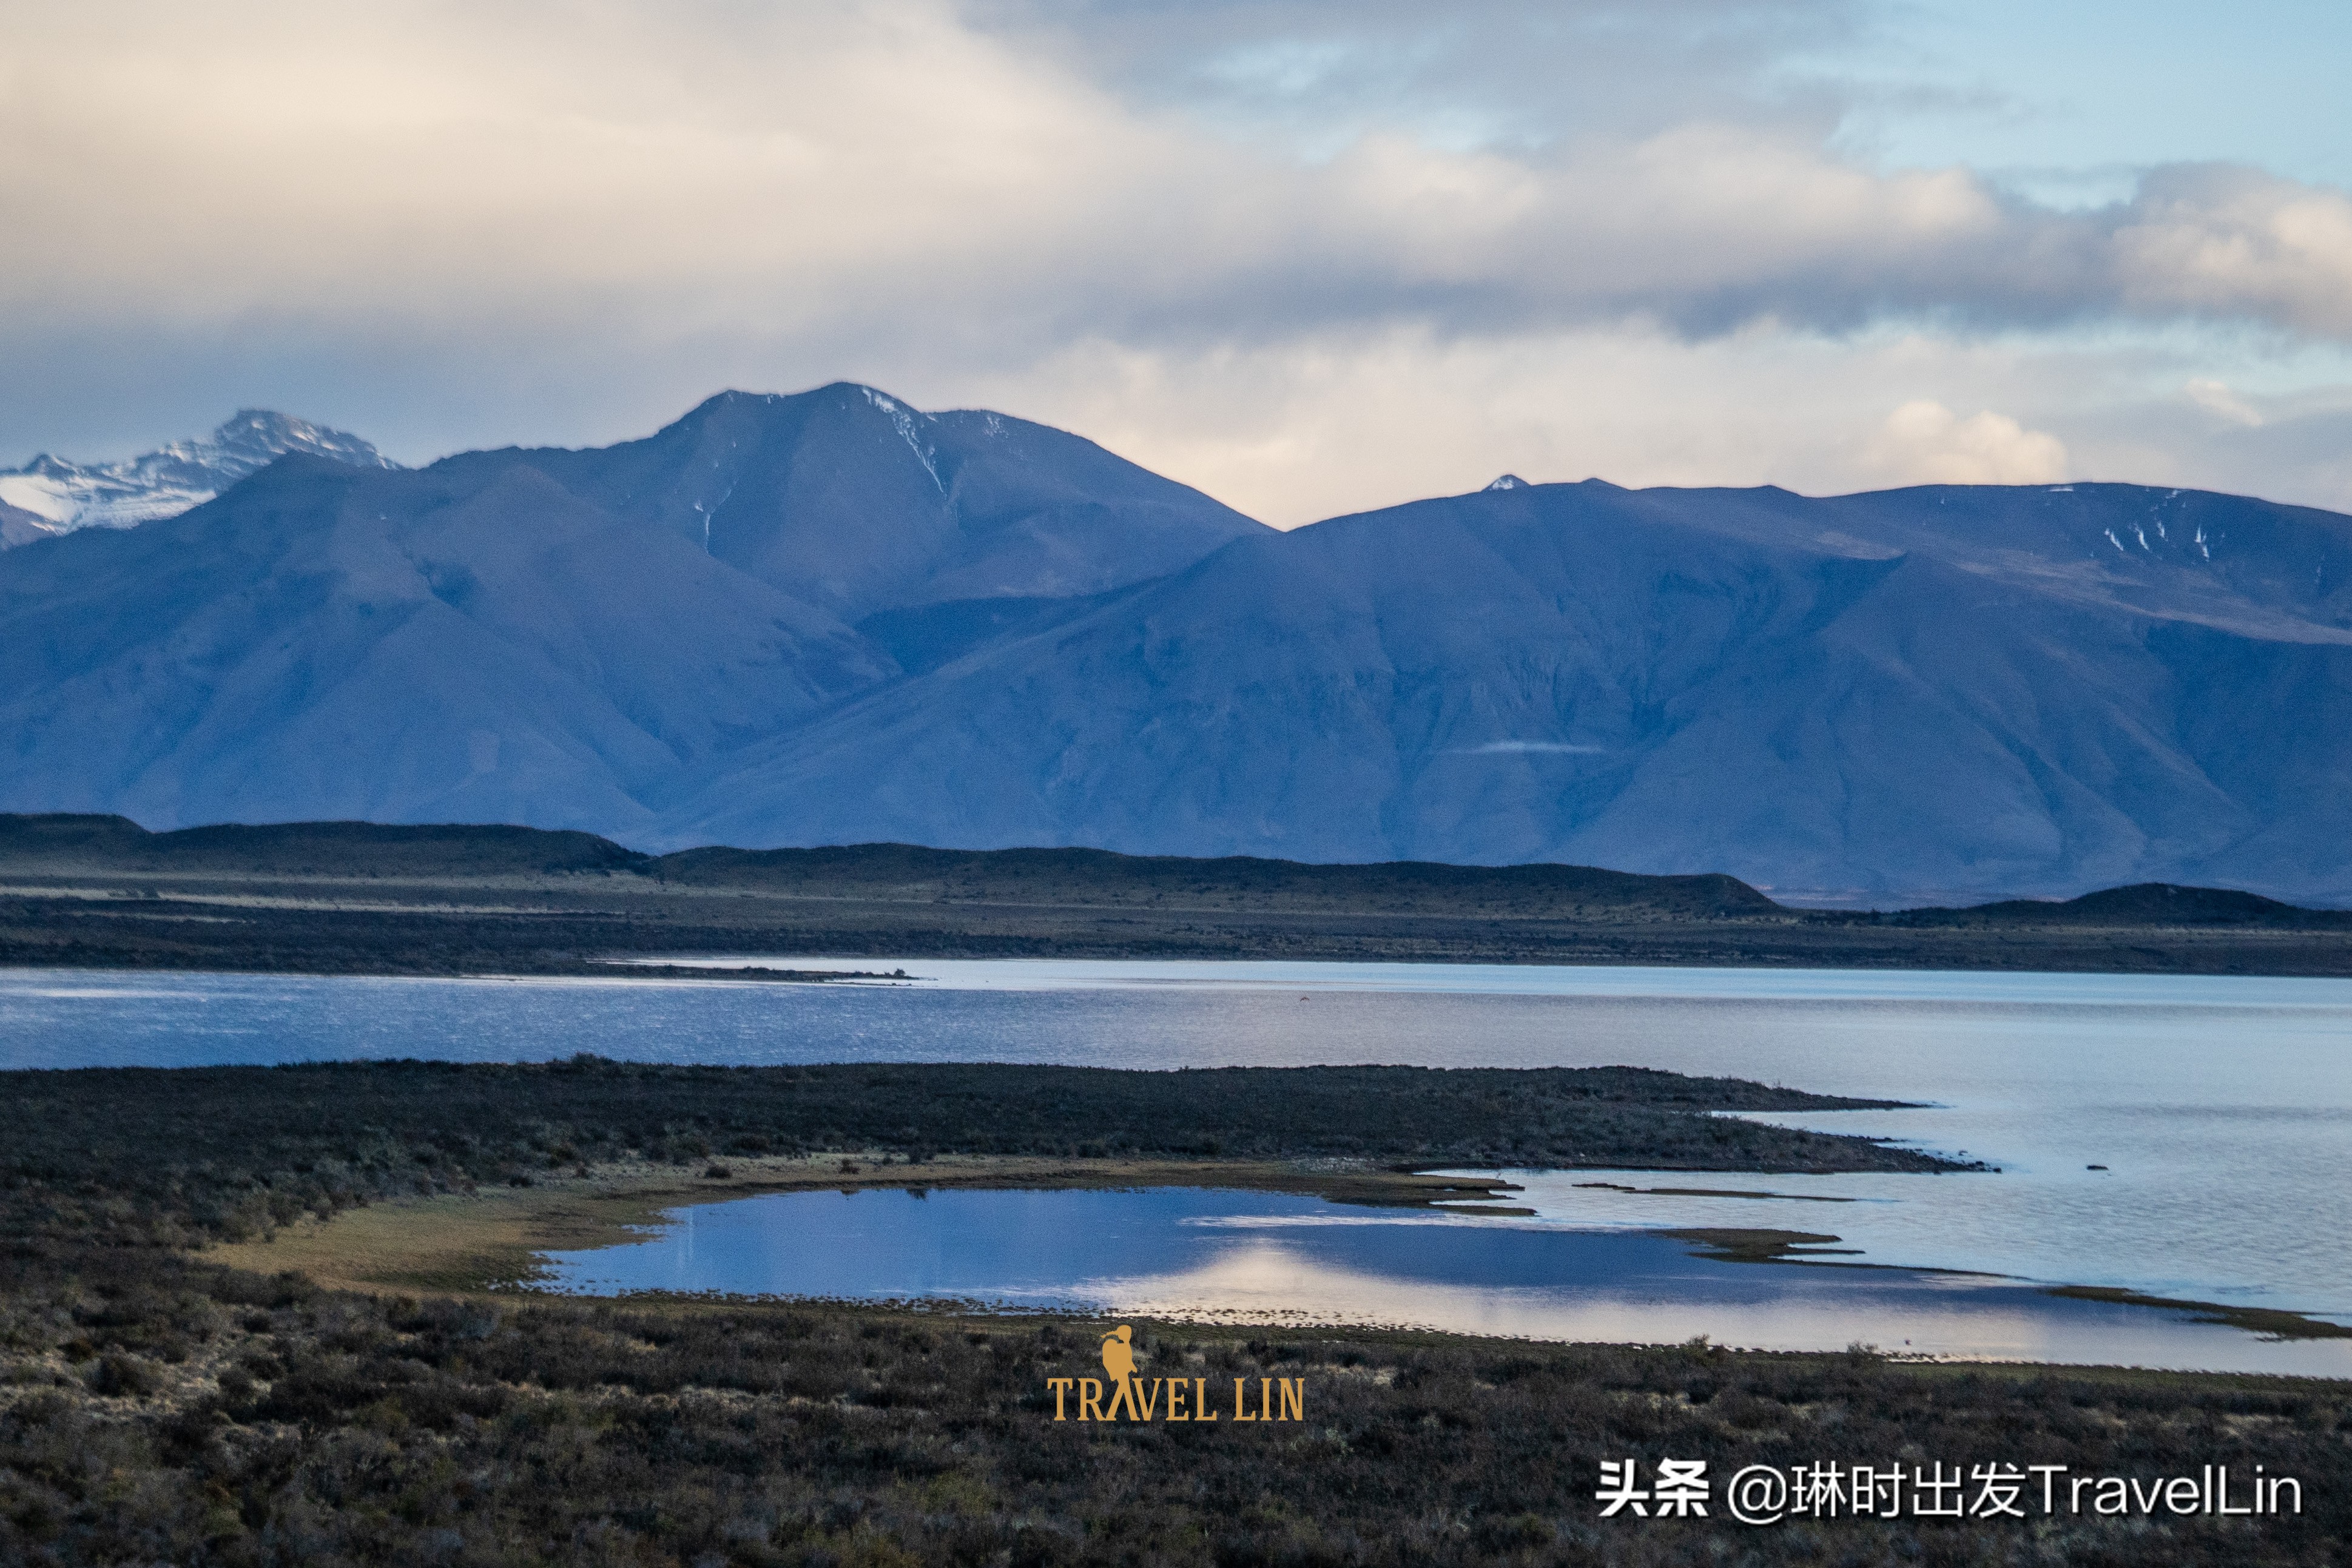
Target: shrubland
point(158, 1407)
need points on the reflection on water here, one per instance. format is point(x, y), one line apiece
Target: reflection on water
point(2155, 1222)
point(1260, 1256)
point(2221, 1106)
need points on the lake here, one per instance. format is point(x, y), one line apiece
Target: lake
point(2221, 1107)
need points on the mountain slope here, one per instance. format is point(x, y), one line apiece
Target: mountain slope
point(537, 637)
point(330, 642)
point(1894, 697)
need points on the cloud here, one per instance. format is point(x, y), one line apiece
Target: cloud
point(2236, 243)
point(2216, 397)
point(1465, 242)
point(1924, 442)
point(836, 168)
point(1525, 747)
point(1523, 73)
point(1305, 428)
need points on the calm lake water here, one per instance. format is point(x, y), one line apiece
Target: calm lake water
point(1257, 1257)
point(2222, 1107)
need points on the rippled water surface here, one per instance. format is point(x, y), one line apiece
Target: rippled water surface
point(2221, 1108)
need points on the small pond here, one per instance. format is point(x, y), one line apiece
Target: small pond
point(1218, 1254)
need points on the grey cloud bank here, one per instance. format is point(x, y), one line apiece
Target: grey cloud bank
point(429, 224)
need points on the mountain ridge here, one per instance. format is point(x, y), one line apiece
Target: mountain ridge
point(832, 618)
point(50, 496)
point(988, 507)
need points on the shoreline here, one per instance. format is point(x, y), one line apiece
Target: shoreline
point(694, 969)
point(488, 1239)
point(490, 1243)
point(2294, 956)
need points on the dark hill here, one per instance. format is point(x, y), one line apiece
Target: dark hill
point(1233, 882)
point(327, 850)
point(94, 891)
point(70, 839)
point(2153, 903)
point(62, 845)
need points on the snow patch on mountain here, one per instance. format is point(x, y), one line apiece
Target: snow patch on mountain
point(51, 495)
point(1529, 747)
point(904, 420)
point(18, 527)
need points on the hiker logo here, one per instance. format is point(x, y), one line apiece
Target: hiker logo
point(1118, 1354)
point(1171, 1398)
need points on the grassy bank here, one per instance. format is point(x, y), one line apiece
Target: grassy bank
point(157, 1156)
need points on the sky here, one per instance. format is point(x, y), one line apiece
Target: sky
point(1313, 257)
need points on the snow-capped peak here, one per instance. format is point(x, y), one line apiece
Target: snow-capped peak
point(63, 496)
point(1508, 482)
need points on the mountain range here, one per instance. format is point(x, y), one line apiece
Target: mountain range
point(51, 495)
point(831, 618)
